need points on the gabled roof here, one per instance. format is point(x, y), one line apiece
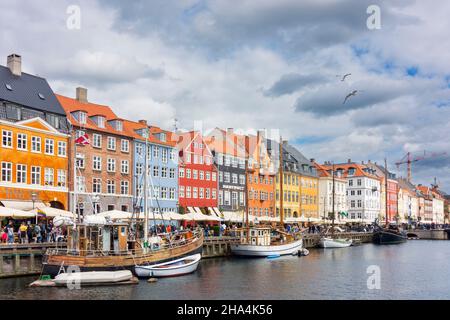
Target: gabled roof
point(72, 105)
point(359, 170)
point(131, 127)
point(226, 143)
point(25, 91)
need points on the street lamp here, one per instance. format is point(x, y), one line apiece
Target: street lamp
point(33, 199)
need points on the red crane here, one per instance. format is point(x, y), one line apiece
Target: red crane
point(409, 159)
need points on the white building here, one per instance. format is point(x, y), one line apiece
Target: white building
point(326, 194)
point(362, 190)
point(438, 208)
point(408, 202)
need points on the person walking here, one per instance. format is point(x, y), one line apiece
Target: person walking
point(37, 232)
point(10, 232)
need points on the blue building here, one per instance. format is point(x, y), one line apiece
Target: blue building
point(162, 160)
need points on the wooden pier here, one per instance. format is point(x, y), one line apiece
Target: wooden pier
point(19, 260)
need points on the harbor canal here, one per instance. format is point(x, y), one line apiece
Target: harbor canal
point(414, 270)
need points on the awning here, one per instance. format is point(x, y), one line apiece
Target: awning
point(15, 213)
point(52, 212)
point(116, 215)
point(22, 205)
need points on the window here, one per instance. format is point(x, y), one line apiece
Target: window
point(202, 175)
point(220, 176)
point(214, 194)
point(241, 179)
point(208, 176)
point(21, 141)
point(111, 143)
point(111, 165)
point(188, 173)
point(181, 173)
point(188, 192)
point(172, 194)
point(49, 146)
point(156, 171)
point(101, 122)
point(49, 177)
point(6, 171)
point(82, 117)
point(97, 185)
point(194, 174)
point(125, 167)
point(155, 152)
point(227, 177)
point(62, 149)
point(350, 183)
point(97, 140)
point(21, 173)
point(81, 184)
point(207, 193)
point(188, 158)
point(164, 192)
point(172, 154)
point(80, 161)
point(234, 178)
point(201, 193)
point(35, 175)
point(227, 198)
point(164, 155)
point(97, 163)
point(214, 176)
point(124, 187)
point(62, 178)
point(164, 172)
point(36, 144)
point(125, 145)
point(181, 192)
point(195, 193)
point(172, 173)
point(111, 186)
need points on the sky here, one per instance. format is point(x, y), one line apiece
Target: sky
point(258, 64)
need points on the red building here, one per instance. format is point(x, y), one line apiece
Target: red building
point(197, 174)
point(392, 199)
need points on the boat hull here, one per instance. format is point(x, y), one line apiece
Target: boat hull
point(53, 264)
point(384, 237)
point(266, 251)
point(159, 271)
point(94, 277)
point(332, 243)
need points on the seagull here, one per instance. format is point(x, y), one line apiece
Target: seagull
point(344, 76)
point(351, 94)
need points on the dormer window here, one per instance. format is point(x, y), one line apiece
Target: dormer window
point(82, 118)
point(351, 171)
point(163, 137)
point(101, 122)
point(116, 124)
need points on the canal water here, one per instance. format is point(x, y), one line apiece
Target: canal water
point(414, 270)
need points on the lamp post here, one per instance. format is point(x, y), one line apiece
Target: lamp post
point(33, 199)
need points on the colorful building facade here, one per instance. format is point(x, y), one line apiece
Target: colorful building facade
point(101, 178)
point(198, 178)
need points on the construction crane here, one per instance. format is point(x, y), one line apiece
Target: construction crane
point(409, 159)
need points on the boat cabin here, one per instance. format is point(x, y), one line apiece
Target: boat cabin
point(258, 236)
point(90, 239)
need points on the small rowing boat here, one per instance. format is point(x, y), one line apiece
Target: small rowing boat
point(93, 277)
point(173, 268)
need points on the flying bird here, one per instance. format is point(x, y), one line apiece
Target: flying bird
point(344, 76)
point(351, 94)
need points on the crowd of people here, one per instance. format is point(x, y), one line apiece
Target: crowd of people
point(27, 232)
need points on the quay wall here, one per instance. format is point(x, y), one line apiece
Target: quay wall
point(430, 234)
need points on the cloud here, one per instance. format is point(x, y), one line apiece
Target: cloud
point(292, 82)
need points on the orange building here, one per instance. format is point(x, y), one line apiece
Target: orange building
point(34, 162)
point(260, 178)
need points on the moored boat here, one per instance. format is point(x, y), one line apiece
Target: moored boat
point(93, 277)
point(389, 236)
point(327, 242)
point(173, 268)
point(260, 243)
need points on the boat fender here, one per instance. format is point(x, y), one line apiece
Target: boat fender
point(152, 280)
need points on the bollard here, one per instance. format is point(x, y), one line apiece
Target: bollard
point(17, 263)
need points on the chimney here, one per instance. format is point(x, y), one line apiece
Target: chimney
point(230, 130)
point(313, 160)
point(143, 122)
point(349, 160)
point(82, 95)
point(362, 162)
point(14, 62)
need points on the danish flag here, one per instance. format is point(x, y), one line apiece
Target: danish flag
point(83, 140)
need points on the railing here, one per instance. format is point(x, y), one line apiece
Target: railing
point(168, 244)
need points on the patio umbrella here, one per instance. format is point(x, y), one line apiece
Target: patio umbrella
point(15, 213)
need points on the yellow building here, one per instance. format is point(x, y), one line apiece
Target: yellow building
point(34, 164)
point(300, 187)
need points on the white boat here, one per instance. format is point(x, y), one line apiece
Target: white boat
point(94, 277)
point(260, 244)
point(173, 268)
point(326, 242)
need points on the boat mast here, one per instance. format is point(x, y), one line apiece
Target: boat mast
point(246, 200)
point(281, 183)
point(147, 133)
point(385, 189)
point(77, 212)
point(334, 191)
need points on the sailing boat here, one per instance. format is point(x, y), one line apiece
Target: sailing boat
point(95, 244)
point(258, 241)
point(390, 234)
point(332, 242)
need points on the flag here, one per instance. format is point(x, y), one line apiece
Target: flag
point(83, 140)
point(42, 214)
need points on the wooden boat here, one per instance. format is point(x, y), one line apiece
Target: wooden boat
point(107, 248)
point(260, 243)
point(173, 268)
point(389, 236)
point(94, 277)
point(327, 242)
